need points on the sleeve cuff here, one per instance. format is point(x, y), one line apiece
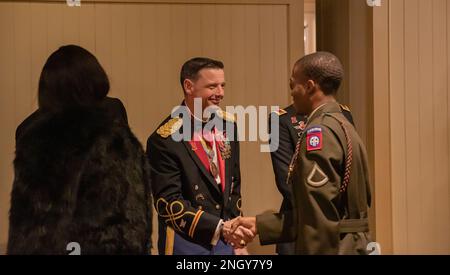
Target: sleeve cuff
point(217, 233)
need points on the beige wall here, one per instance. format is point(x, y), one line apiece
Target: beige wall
point(398, 57)
point(420, 118)
point(310, 26)
point(142, 46)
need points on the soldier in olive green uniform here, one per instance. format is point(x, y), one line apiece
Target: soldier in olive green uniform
point(328, 172)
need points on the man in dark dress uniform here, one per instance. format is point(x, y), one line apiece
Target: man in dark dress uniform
point(328, 172)
point(196, 181)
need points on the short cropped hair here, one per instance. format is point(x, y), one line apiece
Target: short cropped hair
point(190, 68)
point(324, 68)
point(71, 78)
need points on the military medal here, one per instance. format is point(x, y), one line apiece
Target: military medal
point(214, 169)
point(302, 125)
point(224, 146)
point(225, 149)
point(210, 153)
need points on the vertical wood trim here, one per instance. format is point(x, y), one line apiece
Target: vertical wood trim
point(412, 125)
point(447, 229)
point(282, 72)
point(427, 175)
point(296, 44)
point(55, 29)
point(398, 138)
point(113, 20)
point(237, 57)
point(441, 125)
point(382, 129)
point(103, 42)
point(87, 27)
point(71, 25)
point(209, 29)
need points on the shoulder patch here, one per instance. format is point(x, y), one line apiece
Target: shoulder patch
point(226, 116)
point(170, 127)
point(345, 107)
point(280, 112)
point(314, 139)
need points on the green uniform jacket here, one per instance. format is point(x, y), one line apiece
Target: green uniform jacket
point(325, 219)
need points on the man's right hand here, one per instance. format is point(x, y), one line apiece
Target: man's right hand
point(247, 222)
point(237, 236)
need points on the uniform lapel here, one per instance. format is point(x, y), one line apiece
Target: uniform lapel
point(228, 182)
point(200, 165)
point(221, 138)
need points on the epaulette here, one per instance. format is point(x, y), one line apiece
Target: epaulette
point(345, 107)
point(280, 112)
point(170, 127)
point(226, 116)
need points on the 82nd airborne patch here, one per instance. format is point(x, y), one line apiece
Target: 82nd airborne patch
point(314, 139)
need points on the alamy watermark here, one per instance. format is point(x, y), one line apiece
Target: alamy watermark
point(74, 248)
point(73, 3)
point(256, 129)
point(374, 3)
point(373, 248)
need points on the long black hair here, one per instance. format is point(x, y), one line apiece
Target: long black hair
point(71, 78)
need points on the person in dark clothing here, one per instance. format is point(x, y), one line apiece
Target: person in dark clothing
point(80, 174)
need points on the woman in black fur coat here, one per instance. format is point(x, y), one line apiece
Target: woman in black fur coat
point(80, 173)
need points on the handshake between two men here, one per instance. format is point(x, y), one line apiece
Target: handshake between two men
point(239, 231)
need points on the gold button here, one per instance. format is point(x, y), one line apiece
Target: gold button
point(200, 207)
point(217, 206)
point(196, 187)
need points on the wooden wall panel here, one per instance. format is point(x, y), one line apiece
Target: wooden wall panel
point(447, 229)
point(412, 131)
point(441, 127)
point(382, 130)
point(410, 120)
point(425, 33)
point(22, 56)
point(419, 126)
point(55, 28)
point(398, 138)
point(38, 49)
point(7, 113)
point(282, 72)
point(87, 27)
point(71, 25)
point(142, 47)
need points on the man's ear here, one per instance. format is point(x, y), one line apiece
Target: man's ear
point(311, 86)
point(188, 85)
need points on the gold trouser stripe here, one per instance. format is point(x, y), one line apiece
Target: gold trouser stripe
point(170, 238)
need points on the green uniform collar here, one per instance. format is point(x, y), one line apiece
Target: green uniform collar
point(330, 107)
